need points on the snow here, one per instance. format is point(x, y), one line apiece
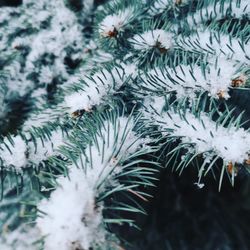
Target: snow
point(15, 154)
point(232, 144)
point(103, 166)
point(3, 106)
point(218, 11)
point(112, 24)
point(71, 210)
point(71, 213)
point(41, 118)
point(88, 5)
point(46, 147)
point(160, 6)
point(50, 32)
point(19, 154)
point(188, 80)
point(199, 185)
point(23, 238)
point(97, 87)
point(73, 220)
point(151, 39)
point(46, 75)
point(216, 44)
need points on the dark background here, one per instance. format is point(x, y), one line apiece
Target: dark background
point(11, 3)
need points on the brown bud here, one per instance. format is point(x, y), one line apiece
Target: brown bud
point(112, 33)
point(247, 161)
point(239, 81)
point(77, 113)
point(161, 48)
point(231, 168)
point(221, 94)
point(80, 112)
point(178, 2)
point(18, 47)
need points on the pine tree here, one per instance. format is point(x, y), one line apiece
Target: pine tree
point(99, 100)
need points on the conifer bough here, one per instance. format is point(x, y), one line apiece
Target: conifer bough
point(96, 100)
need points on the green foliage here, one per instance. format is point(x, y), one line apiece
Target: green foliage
point(163, 65)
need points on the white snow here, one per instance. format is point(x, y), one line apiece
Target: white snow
point(46, 147)
point(88, 4)
point(188, 80)
point(71, 211)
point(16, 154)
point(46, 75)
point(160, 6)
point(218, 11)
point(231, 144)
point(42, 118)
point(23, 238)
point(115, 23)
point(151, 39)
point(98, 87)
point(220, 45)
point(50, 32)
point(20, 154)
